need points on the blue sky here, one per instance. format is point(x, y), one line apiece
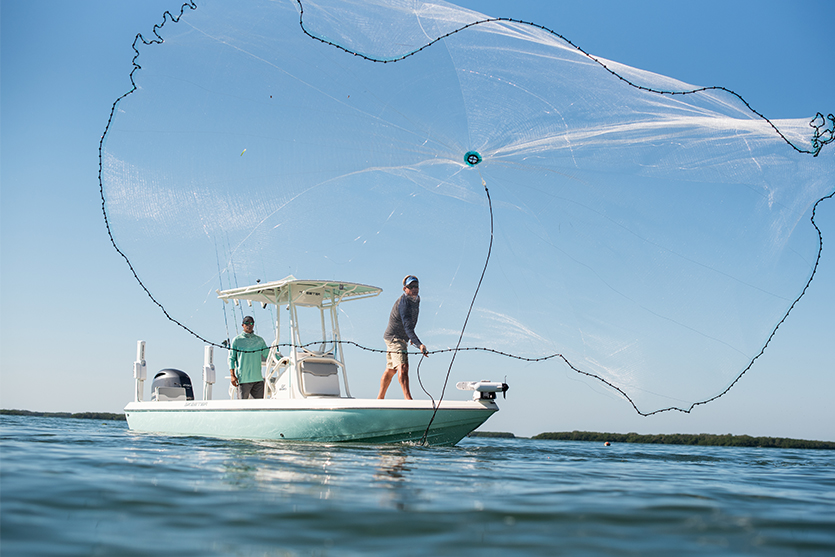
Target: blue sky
point(71, 311)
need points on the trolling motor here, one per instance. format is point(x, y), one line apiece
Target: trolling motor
point(484, 390)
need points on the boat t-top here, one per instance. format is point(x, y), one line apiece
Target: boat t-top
point(307, 397)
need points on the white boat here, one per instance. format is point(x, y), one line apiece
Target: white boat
point(304, 400)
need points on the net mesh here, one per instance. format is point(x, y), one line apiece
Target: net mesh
point(653, 240)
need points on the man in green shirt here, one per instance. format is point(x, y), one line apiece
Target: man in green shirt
point(245, 357)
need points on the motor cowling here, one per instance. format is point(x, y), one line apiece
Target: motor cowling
point(168, 378)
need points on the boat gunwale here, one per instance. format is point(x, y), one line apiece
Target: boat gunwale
point(237, 405)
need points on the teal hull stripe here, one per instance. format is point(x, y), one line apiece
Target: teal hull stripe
point(321, 425)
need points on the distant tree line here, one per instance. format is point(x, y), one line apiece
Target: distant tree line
point(499, 434)
point(704, 439)
point(77, 415)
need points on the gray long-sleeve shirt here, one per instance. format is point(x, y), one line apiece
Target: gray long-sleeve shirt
point(403, 320)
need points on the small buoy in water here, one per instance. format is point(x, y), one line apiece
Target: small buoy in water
point(606, 444)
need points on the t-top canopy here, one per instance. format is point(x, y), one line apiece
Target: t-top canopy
point(318, 293)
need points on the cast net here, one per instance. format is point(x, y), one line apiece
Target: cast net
point(653, 240)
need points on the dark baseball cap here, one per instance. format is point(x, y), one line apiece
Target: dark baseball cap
point(249, 320)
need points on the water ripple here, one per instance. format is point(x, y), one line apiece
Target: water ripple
point(80, 487)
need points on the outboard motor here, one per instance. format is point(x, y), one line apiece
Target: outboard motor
point(171, 384)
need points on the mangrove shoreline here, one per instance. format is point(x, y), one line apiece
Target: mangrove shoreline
point(701, 439)
point(77, 415)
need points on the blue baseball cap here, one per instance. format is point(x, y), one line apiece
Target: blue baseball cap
point(409, 280)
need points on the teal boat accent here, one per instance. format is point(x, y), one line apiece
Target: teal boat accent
point(361, 421)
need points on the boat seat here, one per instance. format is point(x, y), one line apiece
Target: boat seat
point(323, 353)
point(319, 378)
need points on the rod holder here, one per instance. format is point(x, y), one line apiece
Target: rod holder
point(140, 369)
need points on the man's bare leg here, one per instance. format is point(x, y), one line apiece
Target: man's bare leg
point(385, 381)
point(403, 376)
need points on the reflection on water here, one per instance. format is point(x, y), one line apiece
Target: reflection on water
point(392, 467)
point(311, 470)
point(393, 474)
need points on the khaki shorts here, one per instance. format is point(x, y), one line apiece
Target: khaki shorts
point(396, 354)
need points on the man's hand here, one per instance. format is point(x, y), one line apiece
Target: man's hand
point(234, 379)
point(424, 351)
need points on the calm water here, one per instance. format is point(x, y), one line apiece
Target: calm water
point(82, 487)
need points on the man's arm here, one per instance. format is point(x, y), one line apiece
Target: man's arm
point(409, 323)
point(233, 364)
point(265, 351)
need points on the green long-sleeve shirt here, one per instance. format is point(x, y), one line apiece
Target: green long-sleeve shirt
point(246, 355)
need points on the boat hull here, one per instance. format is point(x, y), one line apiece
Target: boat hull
point(319, 420)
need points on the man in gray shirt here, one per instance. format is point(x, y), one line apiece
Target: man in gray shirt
point(399, 333)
